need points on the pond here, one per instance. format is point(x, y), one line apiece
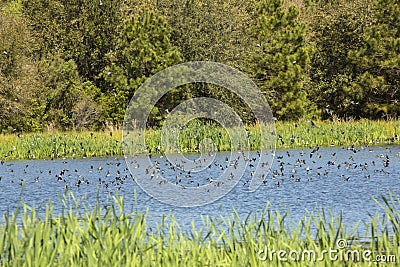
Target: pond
point(301, 180)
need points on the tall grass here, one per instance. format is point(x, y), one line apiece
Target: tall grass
point(50, 145)
point(289, 135)
point(339, 133)
point(109, 236)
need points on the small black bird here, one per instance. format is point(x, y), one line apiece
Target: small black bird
point(313, 124)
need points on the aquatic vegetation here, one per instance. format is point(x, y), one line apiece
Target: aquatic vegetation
point(110, 236)
point(338, 133)
point(288, 134)
point(50, 145)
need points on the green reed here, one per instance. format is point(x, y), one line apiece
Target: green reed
point(50, 145)
point(288, 135)
point(109, 236)
point(338, 133)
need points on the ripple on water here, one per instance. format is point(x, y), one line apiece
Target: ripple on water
point(301, 180)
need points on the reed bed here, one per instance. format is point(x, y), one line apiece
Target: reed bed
point(51, 145)
point(338, 133)
point(301, 134)
point(111, 237)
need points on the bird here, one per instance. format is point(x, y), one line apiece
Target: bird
point(313, 124)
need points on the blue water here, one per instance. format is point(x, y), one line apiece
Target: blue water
point(341, 180)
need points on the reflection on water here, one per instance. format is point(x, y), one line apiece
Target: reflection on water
point(301, 180)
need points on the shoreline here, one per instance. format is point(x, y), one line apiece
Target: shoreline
point(290, 135)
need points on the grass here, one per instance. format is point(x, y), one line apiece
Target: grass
point(339, 133)
point(108, 236)
point(289, 135)
point(48, 145)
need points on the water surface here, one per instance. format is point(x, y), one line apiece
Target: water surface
point(334, 179)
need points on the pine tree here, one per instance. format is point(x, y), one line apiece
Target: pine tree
point(281, 59)
point(143, 48)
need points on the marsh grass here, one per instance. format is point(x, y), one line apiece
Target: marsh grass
point(49, 145)
point(109, 236)
point(288, 135)
point(338, 133)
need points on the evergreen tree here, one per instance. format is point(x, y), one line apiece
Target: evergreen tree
point(142, 49)
point(281, 59)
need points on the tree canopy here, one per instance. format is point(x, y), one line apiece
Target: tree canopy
point(76, 64)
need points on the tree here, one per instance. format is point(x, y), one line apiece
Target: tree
point(142, 49)
point(70, 103)
point(210, 30)
point(18, 106)
point(337, 29)
point(281, 58)
point(82, 30)
point(378, 59)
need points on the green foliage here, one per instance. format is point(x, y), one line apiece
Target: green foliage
point(51, 145)
point(74, 144)
point(83, 236)
point(142, 49)
point(17, 73)
point(83, 31)
point(281, 59)
point(70, 103)
point(338, 133)
point(13, 7)
point(338, 30)
point(310, 57)
point(354, 71)
point(378, 59)
point(209, 30)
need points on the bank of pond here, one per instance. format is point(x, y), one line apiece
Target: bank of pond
point(330, 198)
point(109, 143)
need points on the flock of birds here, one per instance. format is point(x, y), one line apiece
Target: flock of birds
point(94, 174)
point(295, 165)
point(307, 166)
